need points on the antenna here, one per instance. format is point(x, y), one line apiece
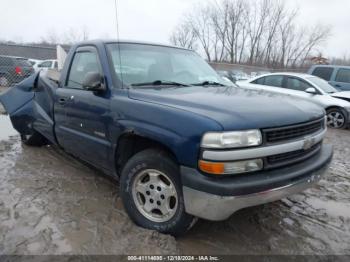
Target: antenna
point(118, 39)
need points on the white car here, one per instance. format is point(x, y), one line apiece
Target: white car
point(45, 65)
point(35, 63)
point(336, 104)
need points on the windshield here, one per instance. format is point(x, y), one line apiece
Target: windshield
point(322, 84)
point(137, 64)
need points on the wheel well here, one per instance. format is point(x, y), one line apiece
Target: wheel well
point(130, 144)
point(339, 108)
point(346, 115)
point(334, 107)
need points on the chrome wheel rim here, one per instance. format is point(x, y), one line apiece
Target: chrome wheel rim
point(335, 119)
point(155, 195)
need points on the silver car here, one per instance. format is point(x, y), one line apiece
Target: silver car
point(336, 104)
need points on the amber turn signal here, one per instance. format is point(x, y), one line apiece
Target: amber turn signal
point(231, 168)
point(211, 167)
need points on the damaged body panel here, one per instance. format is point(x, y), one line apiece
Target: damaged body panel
point(30, 106)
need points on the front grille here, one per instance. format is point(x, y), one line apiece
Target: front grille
point(274, 135)
point(291, 157)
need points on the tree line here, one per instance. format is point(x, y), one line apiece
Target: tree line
point(254, 32)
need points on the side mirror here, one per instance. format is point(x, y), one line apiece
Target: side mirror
point(311, 90)
point(93, 81)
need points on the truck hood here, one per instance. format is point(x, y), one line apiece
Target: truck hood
point(232, 107)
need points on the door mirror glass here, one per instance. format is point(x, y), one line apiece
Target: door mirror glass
point(93, 81)
point(311, 90)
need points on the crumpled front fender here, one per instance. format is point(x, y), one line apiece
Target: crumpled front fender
point(19, 95)
point(18, 103)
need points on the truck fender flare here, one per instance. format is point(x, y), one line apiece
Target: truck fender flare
point(160, 135)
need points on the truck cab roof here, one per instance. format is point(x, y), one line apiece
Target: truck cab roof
point(125, 41)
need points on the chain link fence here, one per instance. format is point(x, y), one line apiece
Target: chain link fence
point(18, 61)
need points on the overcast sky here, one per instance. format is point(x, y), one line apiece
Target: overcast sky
point(148, 20)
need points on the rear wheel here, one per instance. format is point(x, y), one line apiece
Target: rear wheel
point(34, 139)
point(152, 194)
point(336, 118)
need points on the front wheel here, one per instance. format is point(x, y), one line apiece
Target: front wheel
point(34, 139)
point(152, 194)
point(336, 118)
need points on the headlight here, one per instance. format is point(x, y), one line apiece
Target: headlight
point(231, 139)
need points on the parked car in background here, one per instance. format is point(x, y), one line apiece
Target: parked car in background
point(259, 73)
point(35, 63)
point(223, 73)
point(336, 104)
point(337, 76)
point(13, 70)
point(182, 142)
point(225, 76)
point(233, 75)
point(46, 64)
point(239, 75)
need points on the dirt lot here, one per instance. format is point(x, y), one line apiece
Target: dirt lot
point(51, 203)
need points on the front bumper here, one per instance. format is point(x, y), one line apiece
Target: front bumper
point(215, 198)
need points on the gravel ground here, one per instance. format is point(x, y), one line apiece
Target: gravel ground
point(51, 203)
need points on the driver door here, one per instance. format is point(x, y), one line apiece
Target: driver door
point(82, 126)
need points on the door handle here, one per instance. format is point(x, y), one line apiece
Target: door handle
point(338, 85)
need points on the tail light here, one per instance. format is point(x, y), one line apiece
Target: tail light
point(18, 70)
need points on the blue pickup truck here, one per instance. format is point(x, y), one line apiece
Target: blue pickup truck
point(183, 143)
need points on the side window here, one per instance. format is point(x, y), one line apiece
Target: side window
point(46, 64)
point(259, 81)
point(56, 65)
point(83, 63)
point(343, 76)
point(297, 84)
point(323, 72)
point(274, 80)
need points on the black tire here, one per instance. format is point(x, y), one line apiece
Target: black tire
point(160, 161)
point(34, 139)
point(334, 123)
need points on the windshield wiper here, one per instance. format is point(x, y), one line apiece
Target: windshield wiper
point(160, 83)
point(208, 83)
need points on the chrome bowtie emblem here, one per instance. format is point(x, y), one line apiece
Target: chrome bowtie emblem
point(308, 143)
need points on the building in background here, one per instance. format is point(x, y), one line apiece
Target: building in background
point(33, 51)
